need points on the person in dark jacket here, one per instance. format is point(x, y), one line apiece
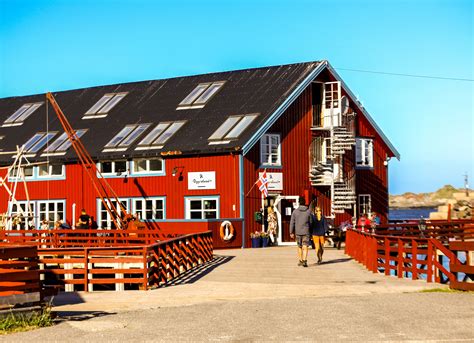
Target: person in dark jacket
point(300, 225)
point(319, 229)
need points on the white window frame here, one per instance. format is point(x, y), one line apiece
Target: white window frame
point(48, 212)
point(188, 210)
point(147, 170)
point(141, 214)
point(114, 173)
point(22, 113)
point(364, 153)
point(108, 219)
point(362, 202)
point(99, 112)
point(194, 98)
point(50, 172)
point(266, 140)
point(24, 205)
point(27, 178)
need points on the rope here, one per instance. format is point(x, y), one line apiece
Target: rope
point(47, 146)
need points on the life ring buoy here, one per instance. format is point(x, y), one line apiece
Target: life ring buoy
point(226, 231)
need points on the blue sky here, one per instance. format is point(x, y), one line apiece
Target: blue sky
point(58, 45)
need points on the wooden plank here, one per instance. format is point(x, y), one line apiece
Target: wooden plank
point(110, 281)
point(20, 275)
point(461, 268)
point(463, 286)
point(461, 246)
point(20, 298)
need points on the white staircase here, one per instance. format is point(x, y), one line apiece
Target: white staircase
point(325, 173)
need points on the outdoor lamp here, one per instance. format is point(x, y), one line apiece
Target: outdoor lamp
point(175, 171)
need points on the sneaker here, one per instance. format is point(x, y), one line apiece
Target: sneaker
point(300, 263)
point(305, 264)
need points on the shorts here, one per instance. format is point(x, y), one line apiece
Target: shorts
point(302, 240)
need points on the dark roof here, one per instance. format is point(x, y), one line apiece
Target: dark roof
point(260, 90)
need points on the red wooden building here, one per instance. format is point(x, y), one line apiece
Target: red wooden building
point(184, 153)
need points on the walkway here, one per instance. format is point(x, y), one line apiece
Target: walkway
point(260, 294)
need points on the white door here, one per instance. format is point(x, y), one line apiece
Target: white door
point(332, 104)
point(282, 211)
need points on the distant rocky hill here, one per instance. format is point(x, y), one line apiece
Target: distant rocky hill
point(434, 199)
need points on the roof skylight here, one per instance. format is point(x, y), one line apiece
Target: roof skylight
point(231, 129)
point(104, 105)
point(37, 142)
point(200, 95)
point(125, 137)
point(21, 114)
point(160, 135)
point(61, 144)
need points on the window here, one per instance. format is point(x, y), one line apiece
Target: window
point(52, 211)
point(21, 114)
point(104, 105)
point(50, 170)
point(364, 152)
point(200, 95)
point(37, 142)
point(148, 166)
point(61, 144)
point(364, 204)
point(22, 215)
point(149, 208)
point(232, 128)
point(26, 171)
point(202, 208)
point(270, 152)
point(125, 137)
point(104, 219)
point(159, 135)
point(113, 167)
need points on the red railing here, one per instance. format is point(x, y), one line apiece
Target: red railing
point(71, 238)
point(414, 257)
point(125, 267)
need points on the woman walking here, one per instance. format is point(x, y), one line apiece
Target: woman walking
point(319, 229)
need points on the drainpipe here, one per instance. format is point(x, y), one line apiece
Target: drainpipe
point(74, 215)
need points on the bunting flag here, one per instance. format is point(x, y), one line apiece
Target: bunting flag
point(262, 183)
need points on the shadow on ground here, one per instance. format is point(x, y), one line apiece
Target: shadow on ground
point(79, 315)
point(197, 273)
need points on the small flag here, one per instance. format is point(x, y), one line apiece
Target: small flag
point(262, 183)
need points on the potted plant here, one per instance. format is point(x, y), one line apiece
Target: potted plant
point(265, 239)
point(256, 239)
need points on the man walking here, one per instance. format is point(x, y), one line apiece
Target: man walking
point(300, 224)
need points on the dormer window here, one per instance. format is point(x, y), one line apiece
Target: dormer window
point(231, 129)
point(200, 95)
point(125, 137)
point(104, 105)
point(21, 114)
point(61, 144)
point(160, 135)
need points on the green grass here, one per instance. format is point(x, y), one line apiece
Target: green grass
point(24, 322)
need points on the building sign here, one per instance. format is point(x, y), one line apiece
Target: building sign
point(202, 180)
point(275, 181)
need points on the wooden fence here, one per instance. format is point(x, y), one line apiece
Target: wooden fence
point(113, 267)
point(414, 257)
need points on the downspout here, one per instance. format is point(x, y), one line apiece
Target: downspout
point(242, 197)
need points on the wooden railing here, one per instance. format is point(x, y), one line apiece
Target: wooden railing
point(131, 267)
point(114, 267)
point(413, 257)
point(71, 238)
point(18, 270)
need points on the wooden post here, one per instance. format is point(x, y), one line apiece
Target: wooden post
point(429, 262)
point(387, 255)
point(400, 258)
point(145, 268)
point(86, 270)
point(414, 259)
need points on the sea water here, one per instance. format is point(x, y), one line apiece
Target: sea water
point(410, 213)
